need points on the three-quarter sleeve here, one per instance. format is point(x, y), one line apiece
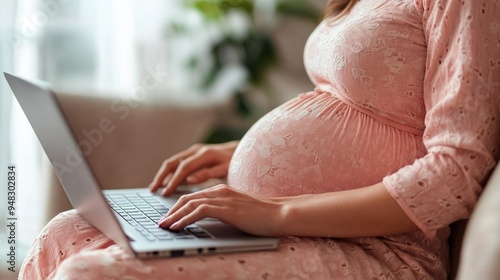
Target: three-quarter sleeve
point(462, 101)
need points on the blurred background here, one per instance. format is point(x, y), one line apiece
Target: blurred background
point(167, 74)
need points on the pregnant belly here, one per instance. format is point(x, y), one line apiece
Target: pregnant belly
point(315, 143)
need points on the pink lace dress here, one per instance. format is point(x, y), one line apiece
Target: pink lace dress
point(407, 94)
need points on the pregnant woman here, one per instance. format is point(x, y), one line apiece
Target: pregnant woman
point(360, 178)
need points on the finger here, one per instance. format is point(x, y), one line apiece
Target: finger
point(170, 165)
point(167, 178)
point(185, 199)
point(166, 171)
point(218, 171)
point(166, 168)
point(203, 211)
point(191, 212)
point(186, 167)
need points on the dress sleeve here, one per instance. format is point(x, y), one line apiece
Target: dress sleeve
point(462, 100)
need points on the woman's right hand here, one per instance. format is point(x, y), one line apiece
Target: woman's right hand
point(195, 165)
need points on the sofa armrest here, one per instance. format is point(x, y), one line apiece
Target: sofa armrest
point(480, 254)
point(135, 139)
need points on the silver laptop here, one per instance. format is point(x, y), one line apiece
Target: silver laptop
point(127, 216)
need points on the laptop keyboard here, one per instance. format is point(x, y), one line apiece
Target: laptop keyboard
point(142, 211)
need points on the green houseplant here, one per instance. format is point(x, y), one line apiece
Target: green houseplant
point(244, 45)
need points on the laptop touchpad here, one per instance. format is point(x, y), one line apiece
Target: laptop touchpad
point(221, 230)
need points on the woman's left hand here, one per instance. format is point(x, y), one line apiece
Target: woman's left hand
point(247, 212)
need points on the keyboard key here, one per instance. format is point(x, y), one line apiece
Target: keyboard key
point(162, 233)
point(184, 237)
point(150, 237)
point(157, 230)
point(165, 237)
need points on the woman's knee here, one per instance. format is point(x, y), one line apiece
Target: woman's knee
point(42, 258)
point(60, 225)
point(65, 235)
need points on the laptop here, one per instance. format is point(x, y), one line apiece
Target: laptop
point(127, 216)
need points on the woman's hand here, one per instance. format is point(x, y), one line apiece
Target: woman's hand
point(194, 165)
point(247, 212)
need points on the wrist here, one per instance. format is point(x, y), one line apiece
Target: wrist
point(288, 214)
point(281, 219)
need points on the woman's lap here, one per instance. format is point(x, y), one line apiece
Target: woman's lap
point(71, 248)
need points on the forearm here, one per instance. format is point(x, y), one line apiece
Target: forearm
point(369, 211)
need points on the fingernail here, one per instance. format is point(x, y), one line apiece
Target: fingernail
point(175, 226)
point(191, 179)
point(162, 222)
point(164, 191)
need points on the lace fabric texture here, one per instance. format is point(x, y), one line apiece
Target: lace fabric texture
point(407, 94)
